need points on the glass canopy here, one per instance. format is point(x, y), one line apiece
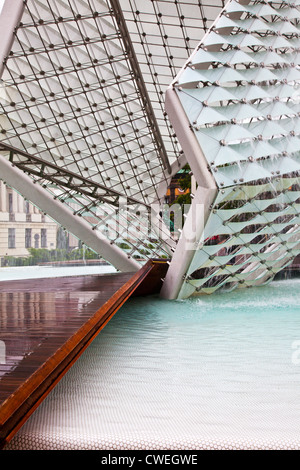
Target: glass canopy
point(103, 101)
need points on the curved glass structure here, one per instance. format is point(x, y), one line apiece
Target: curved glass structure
point(103, 101)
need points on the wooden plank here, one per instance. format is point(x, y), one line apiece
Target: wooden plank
point(154, 281)
point(48, 324)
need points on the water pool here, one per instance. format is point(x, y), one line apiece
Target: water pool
point(214, 372)
point(38, 272)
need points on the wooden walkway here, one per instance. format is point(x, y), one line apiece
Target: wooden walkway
point(46, 324)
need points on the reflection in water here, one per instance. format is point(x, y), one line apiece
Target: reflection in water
point(33, 315)
point(2, 353)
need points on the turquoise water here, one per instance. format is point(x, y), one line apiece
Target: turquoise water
point(211, 372)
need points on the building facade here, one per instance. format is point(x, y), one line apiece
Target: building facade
point(22, 225)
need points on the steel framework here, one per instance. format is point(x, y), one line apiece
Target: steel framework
point(88, 116)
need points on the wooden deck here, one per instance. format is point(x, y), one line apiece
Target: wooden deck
point(46, 324)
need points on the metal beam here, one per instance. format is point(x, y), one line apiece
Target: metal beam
point(61, 214)
point(40, 168)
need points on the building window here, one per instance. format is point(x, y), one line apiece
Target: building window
point(43, 238)
point(10, 203)
point(11, 238)
point(28, 241)
point(36, 240)
point(27, 211)
point(11, 207)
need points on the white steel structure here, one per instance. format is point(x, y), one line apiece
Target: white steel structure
point(87, 136)
point(235, 108)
